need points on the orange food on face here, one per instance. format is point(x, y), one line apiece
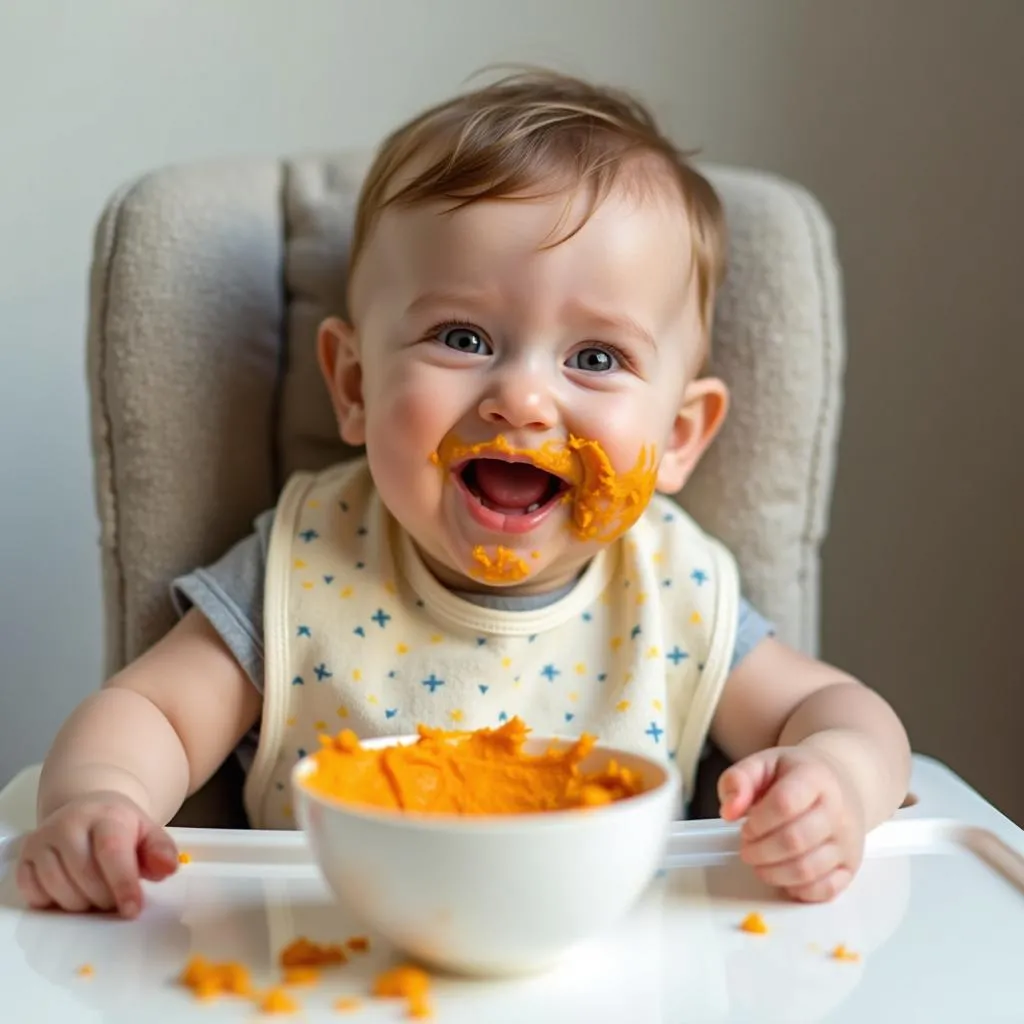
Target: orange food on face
point(303, 953)
point(208, 980)
point(754, 924)
point(605, 503)
point(470, 773)
point(408, 983)
point(505, 566)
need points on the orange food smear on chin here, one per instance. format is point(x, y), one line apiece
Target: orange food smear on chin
point(467, 773)
point(504, 567)
point(605, 503)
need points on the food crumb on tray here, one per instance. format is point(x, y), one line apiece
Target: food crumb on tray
point(276, 1000)
point(301, 975)
point(842, 953)
point(304, 953)
point(207, 980)
point(409, 983)
point(85, 971)
point(754, 924)
point(301, 961)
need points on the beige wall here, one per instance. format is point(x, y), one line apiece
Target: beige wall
point(907, 119)
point(903, 115)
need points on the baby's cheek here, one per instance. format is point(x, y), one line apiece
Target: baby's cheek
point(622, 429)
point(622, 446)
point(407, 424)
point(401, 435)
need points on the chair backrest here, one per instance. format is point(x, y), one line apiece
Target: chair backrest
point(208, 283)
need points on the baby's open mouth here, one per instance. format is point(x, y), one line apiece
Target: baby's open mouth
point(511, 488)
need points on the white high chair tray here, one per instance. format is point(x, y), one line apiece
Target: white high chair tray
point(936, 915)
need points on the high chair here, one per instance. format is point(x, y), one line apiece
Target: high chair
point(207, 285)
point(208, 282)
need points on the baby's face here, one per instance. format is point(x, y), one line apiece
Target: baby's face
point(486, 374)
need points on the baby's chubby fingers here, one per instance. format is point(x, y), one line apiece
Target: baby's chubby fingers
point(824, 889)
point(30, 887)
point(56, 882)
point(802, 871)
point(158, 856)
point(793, 793)
point(741, 785)
point(74, 848)
point(84, 872)
point(114, 849)
point(790, 840)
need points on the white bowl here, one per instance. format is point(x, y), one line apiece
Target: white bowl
point(495, 895)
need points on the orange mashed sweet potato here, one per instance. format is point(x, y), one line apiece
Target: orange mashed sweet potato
point(276, 1000)
point(754, 924)
point(209, 980)
point(468, 773)
point(408, 983)
point(300, 961)
point(304, 953)
point(605, 503)
point(842, 953)
point(301, 975)
point(505, 566)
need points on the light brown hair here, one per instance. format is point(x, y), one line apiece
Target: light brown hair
point(529, 135)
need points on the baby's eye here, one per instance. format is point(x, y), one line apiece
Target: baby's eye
point(593, 360)
point(464, 339)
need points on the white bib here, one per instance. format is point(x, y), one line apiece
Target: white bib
point(360, 635)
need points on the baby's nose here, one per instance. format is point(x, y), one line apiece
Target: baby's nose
point(520, 400)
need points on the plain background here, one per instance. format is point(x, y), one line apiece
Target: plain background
point(904, 116)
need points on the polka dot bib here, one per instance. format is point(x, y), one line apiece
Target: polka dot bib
point(359, 634)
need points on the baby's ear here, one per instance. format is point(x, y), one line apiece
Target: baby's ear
point(705, 403)
point(338, 353)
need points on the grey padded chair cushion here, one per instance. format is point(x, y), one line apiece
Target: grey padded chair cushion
point(208, 282)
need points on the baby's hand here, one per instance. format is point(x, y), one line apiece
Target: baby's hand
point(91, 853)
point(805, 829)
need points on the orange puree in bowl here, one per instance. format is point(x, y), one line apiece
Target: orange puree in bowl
point(481, 772)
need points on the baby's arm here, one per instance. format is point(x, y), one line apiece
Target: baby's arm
point(820, 760)
point(124, 762)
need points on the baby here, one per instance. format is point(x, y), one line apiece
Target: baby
point(530, 295)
